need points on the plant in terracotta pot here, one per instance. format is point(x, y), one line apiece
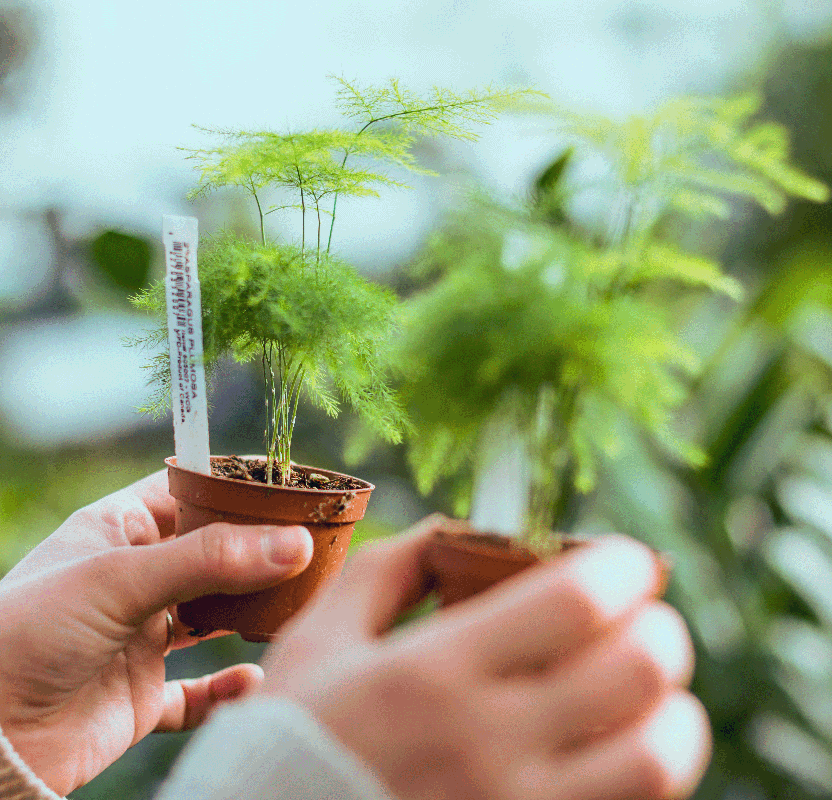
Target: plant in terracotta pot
point(539, 343)
point(310, 322)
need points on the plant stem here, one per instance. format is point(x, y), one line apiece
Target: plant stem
point(302, 215)
point(297, 384)
point(273, 421)
point(260, 212)
point(285, 469)
point(278, 414)
point(270, 452)
point(550, 460)
point(318, 212)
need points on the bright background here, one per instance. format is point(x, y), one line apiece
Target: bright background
point(96, 97)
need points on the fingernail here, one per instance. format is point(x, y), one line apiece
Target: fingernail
point(615, 574)
point(286, 545)
point(677, 737)
point(659, 632)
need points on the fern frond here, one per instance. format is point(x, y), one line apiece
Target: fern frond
point(441, 112)
point(698, 204)
point(669, 155)
point(663, 261)
point(320, 394)
point(310, 161)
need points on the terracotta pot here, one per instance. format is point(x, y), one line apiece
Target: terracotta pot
point(463, 562)
point(330, 516)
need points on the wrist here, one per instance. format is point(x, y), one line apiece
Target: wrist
point(252, 746)
point(17, 778)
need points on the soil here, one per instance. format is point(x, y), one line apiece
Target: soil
point(253, 470)
point(499, 541)
point(491, 539)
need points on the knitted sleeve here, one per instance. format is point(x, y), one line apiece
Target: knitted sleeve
point(17, 781)
point(259, 749)
point(267, 748)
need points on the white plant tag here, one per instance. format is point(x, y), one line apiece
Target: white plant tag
point(503, 481)
point(187, 369)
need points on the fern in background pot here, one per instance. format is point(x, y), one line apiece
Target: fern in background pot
point(538, 342)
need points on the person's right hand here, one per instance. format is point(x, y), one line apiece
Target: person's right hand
point(563, 683)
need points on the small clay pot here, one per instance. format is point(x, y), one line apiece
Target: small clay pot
point(329, 515)
point(463, 562)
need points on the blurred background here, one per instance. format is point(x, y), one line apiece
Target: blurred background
point(94, 101)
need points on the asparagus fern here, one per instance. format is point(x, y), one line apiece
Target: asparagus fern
point(566, 332)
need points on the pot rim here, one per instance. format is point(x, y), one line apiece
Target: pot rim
point(367, 487)
point(494, 546)
point(463, 541)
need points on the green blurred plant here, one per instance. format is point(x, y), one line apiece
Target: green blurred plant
point(315, 324)
point(567, 334)
point(751, 531)
point(750, 534)
point(123, 259)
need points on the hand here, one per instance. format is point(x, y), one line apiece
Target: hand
point(561, 683)
point(84, 628)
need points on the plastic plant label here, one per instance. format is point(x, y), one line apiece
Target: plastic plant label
point(503, 482)
point(187, 369)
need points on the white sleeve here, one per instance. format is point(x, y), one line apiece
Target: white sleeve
point(267, 748)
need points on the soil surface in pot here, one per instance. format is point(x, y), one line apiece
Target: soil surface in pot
point(505, 543)
point(253, 470)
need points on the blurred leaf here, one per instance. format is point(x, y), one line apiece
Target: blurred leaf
point(547, 191)
point(793, 750)
point(122, 259)
point(804, 280)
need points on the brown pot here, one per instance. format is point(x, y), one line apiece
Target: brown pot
point(463, 562)
point(329, 515)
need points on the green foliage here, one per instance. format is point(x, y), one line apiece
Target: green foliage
point(492, 328)
point(314, 161)
point(442, 112)
point(322, 321)
point(123, 259)
point(574, 336)
point(693, 152)
point(313, 165)
point(303, 161)
point(313, 322)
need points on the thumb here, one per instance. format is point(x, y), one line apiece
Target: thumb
point(219, 558)
point(379, 582)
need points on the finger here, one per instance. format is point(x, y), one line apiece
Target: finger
point(189, 702)
point(135, 582)
point(613, 682)
point(380, 581)
point(113, 521)
point(153, 493)
point(550, 610)
point(138, 515)
point(142, 513)
point(661, 757)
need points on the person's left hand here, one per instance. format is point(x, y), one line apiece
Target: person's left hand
point(83, 628)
